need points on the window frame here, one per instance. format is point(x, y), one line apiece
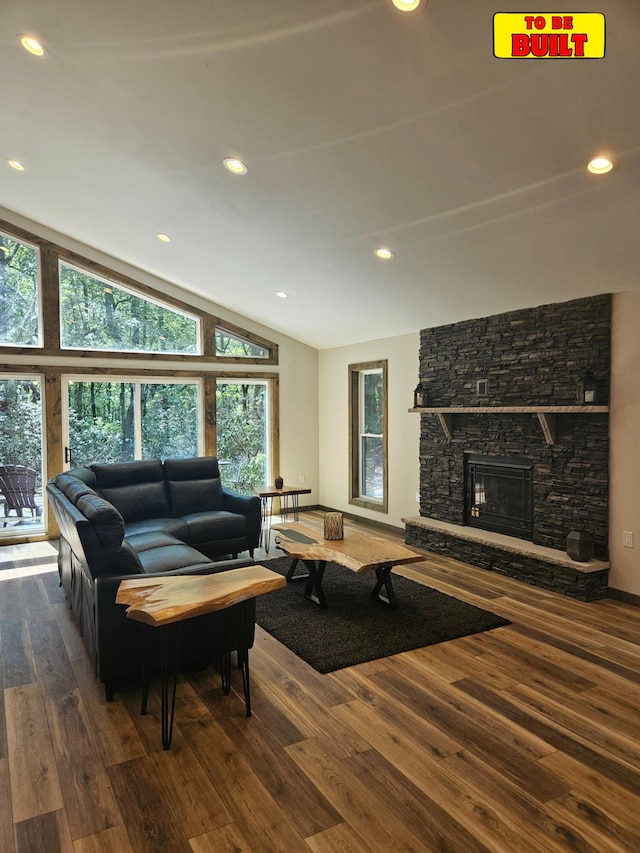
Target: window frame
point(356, 373)
point(111, 281)
point(137, 381)
point(19, 238)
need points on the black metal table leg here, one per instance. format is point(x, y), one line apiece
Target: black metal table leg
point(145, 669)
point(168, 705)
point(313, 590)
point(383, 576)
point(291, 576)
point(243, 664)
point(225, 672)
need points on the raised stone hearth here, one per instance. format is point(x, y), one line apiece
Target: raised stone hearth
point(512, 557)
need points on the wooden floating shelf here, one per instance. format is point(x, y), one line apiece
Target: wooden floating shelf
point(546, 415)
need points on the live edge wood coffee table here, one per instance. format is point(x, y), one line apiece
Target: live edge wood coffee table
point(166, 602)
point(359, 552)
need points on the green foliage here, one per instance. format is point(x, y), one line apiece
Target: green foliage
point(98, 315)
point(242, 434)
point(20, 423)
point(169, 421)
point(231, 345)
point(18, 293)
point(102, 421)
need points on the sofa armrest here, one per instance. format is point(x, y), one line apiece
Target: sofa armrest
point(249, 506)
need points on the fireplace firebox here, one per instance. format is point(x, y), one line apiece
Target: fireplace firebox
point(499, 494)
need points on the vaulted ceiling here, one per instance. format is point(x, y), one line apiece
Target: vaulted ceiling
point(361, 128)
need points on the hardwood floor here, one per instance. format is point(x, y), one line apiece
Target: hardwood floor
point(525, 738)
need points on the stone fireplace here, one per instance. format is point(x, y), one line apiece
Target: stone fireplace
point(506, 476)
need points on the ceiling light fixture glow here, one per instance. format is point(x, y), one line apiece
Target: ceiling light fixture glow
point(282, 294)
point(384, 254)
point(31, 44)
point(601, 165)
point(164, 238)
point(406, 5)
point(235, 166)
point(16, 164)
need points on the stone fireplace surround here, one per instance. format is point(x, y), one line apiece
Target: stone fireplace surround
point(532, 361)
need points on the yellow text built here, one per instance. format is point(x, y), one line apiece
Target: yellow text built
point(549, 36)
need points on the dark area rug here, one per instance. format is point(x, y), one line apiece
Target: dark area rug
point(355, 628)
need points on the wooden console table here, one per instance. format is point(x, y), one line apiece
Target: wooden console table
point(167, 601)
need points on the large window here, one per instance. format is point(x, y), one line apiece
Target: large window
point(120, 420)
point(242, 419)
point(96, 314)
point(19, 293)
point(142, 408)
point(368, 434)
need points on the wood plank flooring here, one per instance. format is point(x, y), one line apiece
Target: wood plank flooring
point(525, 739)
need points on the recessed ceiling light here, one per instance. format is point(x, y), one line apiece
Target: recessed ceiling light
point(16, 164)
point(385, 254)
point(164, 238)
point(282, 294)
point(406, 5)
point(235, 166)
point(601, 165)
point(32, 44)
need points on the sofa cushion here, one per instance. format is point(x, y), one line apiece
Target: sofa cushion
point(136, 489)
point(107, 522)
point(170, 558)
point(173, 526)
point(194, 485)
point(148, 539)
point(210, 526)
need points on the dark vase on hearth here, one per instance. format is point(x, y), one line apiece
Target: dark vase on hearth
point(580, 546)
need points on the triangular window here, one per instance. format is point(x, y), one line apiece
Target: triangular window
point(233, 345)
point(97, 314)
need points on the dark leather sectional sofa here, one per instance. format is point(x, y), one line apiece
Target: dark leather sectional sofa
point(154, 518)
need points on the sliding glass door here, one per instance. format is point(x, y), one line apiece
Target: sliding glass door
point(121, 419)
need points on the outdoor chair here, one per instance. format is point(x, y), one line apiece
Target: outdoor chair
point(18, 490)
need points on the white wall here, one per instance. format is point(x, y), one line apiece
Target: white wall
point(624, 458)
point(404, 428)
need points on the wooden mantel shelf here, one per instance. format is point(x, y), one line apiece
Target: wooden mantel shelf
point(546, 415)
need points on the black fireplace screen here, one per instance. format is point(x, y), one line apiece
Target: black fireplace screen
point(499, 495)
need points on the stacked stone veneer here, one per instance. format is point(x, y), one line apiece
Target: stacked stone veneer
point(532, 357)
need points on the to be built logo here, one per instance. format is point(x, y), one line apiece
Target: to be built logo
point(548, 36)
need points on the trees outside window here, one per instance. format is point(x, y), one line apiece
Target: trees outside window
point(19, 293)
point(368, 435)
point(96, 314)
point(21, 443)
point(230, 344)
point(242, 419)
point(118, 421)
